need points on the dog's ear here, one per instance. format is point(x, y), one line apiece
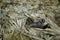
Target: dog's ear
point(59, 1)
point(29, 21)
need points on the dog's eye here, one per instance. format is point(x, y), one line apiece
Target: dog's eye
point(42, 20)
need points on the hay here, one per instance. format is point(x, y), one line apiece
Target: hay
point(15, 13)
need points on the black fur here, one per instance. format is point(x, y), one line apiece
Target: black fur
point(29, 21)
point(39, 24)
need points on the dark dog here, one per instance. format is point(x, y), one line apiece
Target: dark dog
point(39, 24)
